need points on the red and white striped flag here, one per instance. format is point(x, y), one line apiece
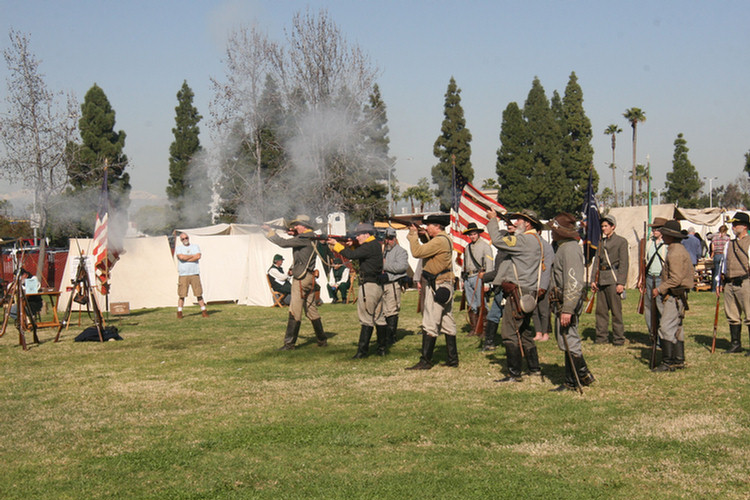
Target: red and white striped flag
point(472, 207)
point(105, 254)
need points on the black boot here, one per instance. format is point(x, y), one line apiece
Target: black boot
point(452, 348)
point(667, 350)
point(513, 356)
point(364, 342)
point(319, 333)
point(735, 331)
point(382, 334)
point(428, 347)
point(489, 336)
point(570, 380)
point(532, 360)
point(584, 375)
point(678, 355)
point(290, 337)
point(391, 323)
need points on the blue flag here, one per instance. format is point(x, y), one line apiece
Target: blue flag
point(591, 222)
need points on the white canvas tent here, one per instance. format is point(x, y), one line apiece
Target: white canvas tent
point(235, 260)
point(145, 275)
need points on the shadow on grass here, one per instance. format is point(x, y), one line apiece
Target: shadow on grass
point(707, 340)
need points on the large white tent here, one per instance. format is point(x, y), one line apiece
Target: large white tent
point(145, 275)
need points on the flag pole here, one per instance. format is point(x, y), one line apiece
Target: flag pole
point(106, 260)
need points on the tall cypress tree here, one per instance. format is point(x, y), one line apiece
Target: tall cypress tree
point(683, 182)
point(577, 153)
point(185, 146)
point(548, 180)
point(514, 165)
point(99, 143)
point(453, 142)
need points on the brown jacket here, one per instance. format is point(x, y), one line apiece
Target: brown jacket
point(678, 270)
point(437, 255)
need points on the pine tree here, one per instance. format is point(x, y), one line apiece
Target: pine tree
point(683, 182)
point(99, 143)
point(577, 152)
point(548, 180)
point(183, 149)
point(453, 142)
point(514, 165)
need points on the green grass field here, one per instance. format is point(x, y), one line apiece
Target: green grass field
point(208, 408)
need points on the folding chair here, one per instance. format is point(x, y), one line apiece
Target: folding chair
point(278, 297)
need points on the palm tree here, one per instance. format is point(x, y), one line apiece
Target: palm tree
point(613, 130)
point(641, 176)
point(634, 115)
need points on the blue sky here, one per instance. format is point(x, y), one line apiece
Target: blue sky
point(686, 64)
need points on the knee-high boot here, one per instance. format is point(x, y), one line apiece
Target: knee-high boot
point(532, 360)
point(320, 334)
point(569, 384)
point(391, 322)
point(428, 347)
point(382, 334)
point(584, 375)
point(513, 356)
point(290, 336)
point(363, 346)
point(678, 355)
point(735, 331)
point(452, 348)
point(667, 351)
point(489, 336)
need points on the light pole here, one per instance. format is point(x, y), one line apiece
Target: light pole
point(710, 191)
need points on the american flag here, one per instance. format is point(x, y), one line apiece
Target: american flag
point(472, 207)
point(105, 254)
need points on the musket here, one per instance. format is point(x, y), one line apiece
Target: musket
point(413, 221)
point(592, 299)
point(479, 327)
point(326, 237)
point(515, 299)
point(654, 332)
point(642, 271)
point(716, 323)
point(564, 335)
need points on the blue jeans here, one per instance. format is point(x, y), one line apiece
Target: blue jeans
point(496, 309)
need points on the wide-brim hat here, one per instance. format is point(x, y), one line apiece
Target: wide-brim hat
point(302, 220)
point(390, 233)
point(277, 257)
point(364, 227)
point(672, 228)
point(740, 218)
point(473, 228)
point(564, 226)
point(440, 219)
point(658, 222)
point(528, 215)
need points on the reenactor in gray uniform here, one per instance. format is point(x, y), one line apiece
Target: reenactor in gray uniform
point(611, 274)
point(677, 279)
point(303, 273)
point(495, 276)
point(477, 260)
point(395, 266)
point(656, 253)
point(566, 300)
point(520, 285)
point(541, 315)
point(735, 282)
point(437, 274)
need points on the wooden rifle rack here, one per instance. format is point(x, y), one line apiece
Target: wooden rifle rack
point(24, 313)
point(82, 289)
